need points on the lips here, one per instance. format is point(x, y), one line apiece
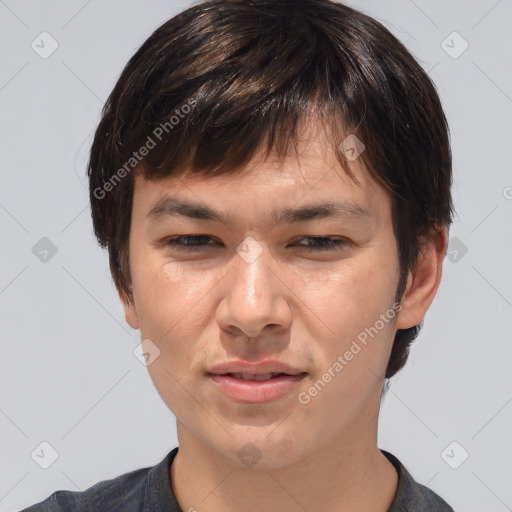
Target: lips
point(256, 383)
point(255, 376)
point(248, 391)
point(255, 371)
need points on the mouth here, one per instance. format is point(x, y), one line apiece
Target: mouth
point(257, 377)
point(256, 388)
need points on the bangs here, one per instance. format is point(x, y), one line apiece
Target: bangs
point(253, 89)
point(270, 134)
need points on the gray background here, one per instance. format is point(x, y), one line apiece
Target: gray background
point(67, 369)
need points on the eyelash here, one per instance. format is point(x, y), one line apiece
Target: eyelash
point(331, 245)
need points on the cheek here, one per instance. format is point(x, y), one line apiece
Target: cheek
point(168, 293)
point(354, 296)
point(356, 303)
point(172, 307)
point(174, 311)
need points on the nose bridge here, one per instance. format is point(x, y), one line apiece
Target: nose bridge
point(252, 271)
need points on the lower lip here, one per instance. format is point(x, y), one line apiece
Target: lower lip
point(256, 392)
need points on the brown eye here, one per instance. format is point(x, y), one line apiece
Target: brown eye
point(190, 243)
point(323, 243)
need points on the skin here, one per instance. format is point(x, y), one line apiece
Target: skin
point(301, 307)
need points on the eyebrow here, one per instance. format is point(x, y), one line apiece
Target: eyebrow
point(170, 206)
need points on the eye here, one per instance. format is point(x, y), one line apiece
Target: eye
point(180, 242)
point(199, 243)
point(323, 243)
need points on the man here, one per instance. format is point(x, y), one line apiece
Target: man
point(272, 181)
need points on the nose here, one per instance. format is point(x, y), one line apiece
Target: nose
point(255, 300)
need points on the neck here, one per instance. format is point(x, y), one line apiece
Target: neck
point(349, 475)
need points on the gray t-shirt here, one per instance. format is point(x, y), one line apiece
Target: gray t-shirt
point(149, 490)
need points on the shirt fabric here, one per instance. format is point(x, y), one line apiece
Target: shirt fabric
point(149, 490)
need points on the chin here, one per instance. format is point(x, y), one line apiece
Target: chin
point(262, 449)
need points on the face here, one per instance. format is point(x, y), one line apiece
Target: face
point(314, 291)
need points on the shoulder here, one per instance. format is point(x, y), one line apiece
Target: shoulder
point(114, 494)
point(412, 496)
point(129, 492)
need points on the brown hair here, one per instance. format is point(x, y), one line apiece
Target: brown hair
point(226, 78)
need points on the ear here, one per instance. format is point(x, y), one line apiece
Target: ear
point(130, 313)
point(423, 282)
